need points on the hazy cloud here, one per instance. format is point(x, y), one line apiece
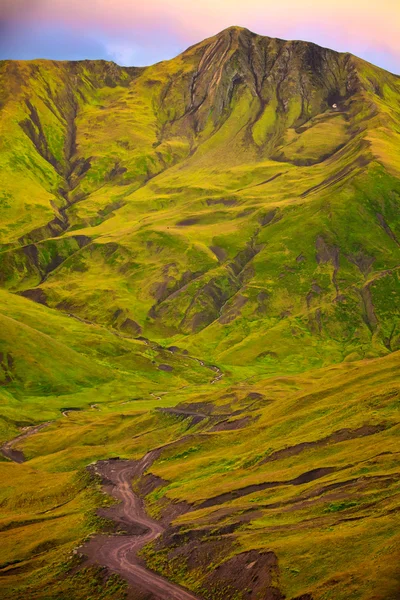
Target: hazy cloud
point(136, 31)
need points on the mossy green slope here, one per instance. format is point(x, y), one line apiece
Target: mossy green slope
point(50, 362)
point(210, 199)
point(303, 466)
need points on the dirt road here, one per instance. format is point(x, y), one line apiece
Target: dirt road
point(17, 456)
point(119, 552)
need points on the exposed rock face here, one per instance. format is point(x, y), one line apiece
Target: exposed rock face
point(270, 69)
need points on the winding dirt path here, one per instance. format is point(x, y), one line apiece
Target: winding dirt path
point(120, 552)
point(17, 456)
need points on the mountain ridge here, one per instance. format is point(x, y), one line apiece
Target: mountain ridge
point(227, 30)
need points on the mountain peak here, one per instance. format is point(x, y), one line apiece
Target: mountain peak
point(235, 30)
point(300, 79)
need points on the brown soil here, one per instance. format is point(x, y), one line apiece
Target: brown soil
point(187, 222)
point(326, 252)
point(173, 349)
point(36, 294)
point(119, 553)
point(230, 313)
point(343, 435)
point(131, 327)
point(233, 425)
point(224, 201)
point(184, 414)
point(369, 315)
point(333, 491)
point(250, 489)
point(253, 571)
point(245, 575)
point(201, 408)
point(387, 228)
point(219, 253)
point(199, 411)
point(17, 456)
point(362, 261)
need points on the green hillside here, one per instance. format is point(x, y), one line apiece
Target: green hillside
point(219, 233)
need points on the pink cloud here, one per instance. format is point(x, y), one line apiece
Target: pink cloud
point(355, 25)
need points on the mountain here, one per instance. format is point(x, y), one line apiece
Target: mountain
point(204, 255)
point(189, 184)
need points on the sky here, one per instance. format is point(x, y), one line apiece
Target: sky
point(134, 32)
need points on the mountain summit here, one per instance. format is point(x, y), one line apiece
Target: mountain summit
point(300, 78)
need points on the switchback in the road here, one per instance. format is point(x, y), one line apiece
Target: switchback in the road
point(119, 553)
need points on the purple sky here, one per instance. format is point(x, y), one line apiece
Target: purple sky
point(141, 33)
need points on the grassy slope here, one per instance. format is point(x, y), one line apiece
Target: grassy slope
point(50, 362)
point(352, 512)
point(239, 217)
point(328, 534)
